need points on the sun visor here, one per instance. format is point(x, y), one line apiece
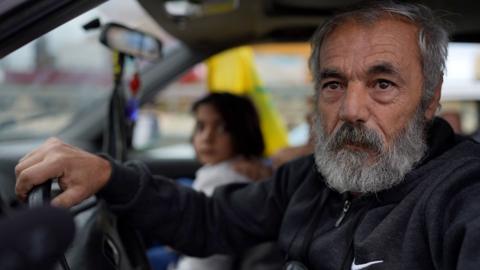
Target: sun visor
point(305, 7)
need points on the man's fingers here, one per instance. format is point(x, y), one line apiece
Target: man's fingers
point(27, 162)
point(27, 156)
point(35, 175)
point(68, 198)
point(36, 155)
point(22, 190)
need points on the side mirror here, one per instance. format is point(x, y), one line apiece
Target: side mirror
point(130, 42)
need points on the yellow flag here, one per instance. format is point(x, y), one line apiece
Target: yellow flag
point(234, 71)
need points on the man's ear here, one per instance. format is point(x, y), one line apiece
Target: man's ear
point(435, 102)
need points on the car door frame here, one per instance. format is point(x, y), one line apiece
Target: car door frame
point(23, 21)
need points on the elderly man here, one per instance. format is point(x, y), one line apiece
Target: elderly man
point(389, 186)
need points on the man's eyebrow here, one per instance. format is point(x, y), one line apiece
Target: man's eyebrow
point(331, 73)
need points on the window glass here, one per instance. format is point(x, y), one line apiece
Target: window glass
point(58, 78)
point(45, 83)
point(461, 114)
point(165, 125)
point(461, 87)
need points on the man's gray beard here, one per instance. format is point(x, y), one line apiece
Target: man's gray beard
point(349, 170)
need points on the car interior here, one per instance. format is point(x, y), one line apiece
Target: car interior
point(83, 104)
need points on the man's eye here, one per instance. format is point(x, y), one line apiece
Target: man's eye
point(383, 84)
point(331, 86)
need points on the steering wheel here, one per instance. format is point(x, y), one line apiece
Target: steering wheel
point(101, 238)
point(40, 194)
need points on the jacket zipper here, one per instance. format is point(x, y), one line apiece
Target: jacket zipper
point(347, 261)
point(346, 207)
point(349, 257)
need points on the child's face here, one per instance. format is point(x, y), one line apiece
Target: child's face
point(212, 143)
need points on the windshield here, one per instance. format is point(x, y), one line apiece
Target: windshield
point(58, 78)
point(46, 83)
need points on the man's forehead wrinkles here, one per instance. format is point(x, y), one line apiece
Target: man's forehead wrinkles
point(382, 67)
point(338, 58)
point(365, 69)
point(331, 51)
point(330, 72)
point(386, 50)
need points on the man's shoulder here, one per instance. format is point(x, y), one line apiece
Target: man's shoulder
point(457, 168)
point(453, 184)
point(463, 156)
point(464, 149)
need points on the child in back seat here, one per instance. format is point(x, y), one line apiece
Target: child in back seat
point(227, 128)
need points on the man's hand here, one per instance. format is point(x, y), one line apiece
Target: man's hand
point(80, 174)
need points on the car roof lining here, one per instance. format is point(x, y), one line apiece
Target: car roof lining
point(253, 21)
point(286, 20)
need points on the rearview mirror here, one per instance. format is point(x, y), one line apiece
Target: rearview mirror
point(130, 42)
point(196, 8)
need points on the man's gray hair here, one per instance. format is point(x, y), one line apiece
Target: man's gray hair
point(432, 38)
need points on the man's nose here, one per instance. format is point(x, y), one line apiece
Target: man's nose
point(354, 107)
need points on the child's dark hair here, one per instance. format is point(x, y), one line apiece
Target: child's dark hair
point(241, 122)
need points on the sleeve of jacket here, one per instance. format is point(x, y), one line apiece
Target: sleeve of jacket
point(236, 217)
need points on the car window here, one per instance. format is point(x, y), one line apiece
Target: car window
point(461, 88)
point(165, 124)
point(45, 83)
point(58, 78)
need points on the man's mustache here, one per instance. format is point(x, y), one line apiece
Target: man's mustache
point(356, 135)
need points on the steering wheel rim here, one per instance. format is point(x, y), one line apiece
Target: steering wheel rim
point(40, 195)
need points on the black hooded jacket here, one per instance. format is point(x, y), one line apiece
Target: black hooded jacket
point(429, 221)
